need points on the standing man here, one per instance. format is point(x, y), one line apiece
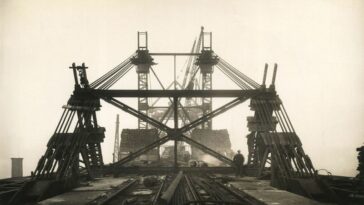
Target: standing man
point(238, 162)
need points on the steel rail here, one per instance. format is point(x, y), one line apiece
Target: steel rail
point(210, 202)
point(167, 195)
point(110, 197)
point(192, 189)
point(159, 192)
point(235, 194)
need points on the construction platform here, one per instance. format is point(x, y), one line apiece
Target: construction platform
point(261, 191)
point(256, 191)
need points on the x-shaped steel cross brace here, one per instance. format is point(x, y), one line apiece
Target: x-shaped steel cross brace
point(176, 133)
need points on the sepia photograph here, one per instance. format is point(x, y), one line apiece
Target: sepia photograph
point(182, 102)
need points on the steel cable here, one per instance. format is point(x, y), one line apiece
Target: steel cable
point(117, 77)
point(285, 112)
point(112, 77)
point(268, 121)
point(250, 81)
point(234, 78)
point(301, 169)
point(100, 80)
point(242, 75)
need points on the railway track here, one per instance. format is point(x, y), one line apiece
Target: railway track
point(141, 190)
point(203, 189)
point(174, 189)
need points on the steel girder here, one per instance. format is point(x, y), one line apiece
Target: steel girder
point(143, 101)
point(207, 101)
point(176, 133)
point(180, 93)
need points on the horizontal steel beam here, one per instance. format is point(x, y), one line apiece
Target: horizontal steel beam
point(167, 107)
point(174, 54)
point(109, 169)
point(178, 93)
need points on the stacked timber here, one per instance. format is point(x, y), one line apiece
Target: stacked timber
point(134, 139)
point(217, 140)
point(361, 163)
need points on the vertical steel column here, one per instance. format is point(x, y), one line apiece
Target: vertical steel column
point(175, 115)
point(143, 101)
point(207, 101)
point(206, 61)
point(143, 62)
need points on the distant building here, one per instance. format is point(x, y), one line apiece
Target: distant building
point(217, 140)
point(16, 167)
point(134, 139)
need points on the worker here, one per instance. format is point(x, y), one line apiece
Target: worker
point(238, 162)
point(186, 156)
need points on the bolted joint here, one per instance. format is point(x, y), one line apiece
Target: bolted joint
point(175, 135)
point(83, 100)
point(143, 61)
point(206, 61)
point(142, 57)
point(207, 58)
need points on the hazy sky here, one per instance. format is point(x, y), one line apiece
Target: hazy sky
point(318, 44)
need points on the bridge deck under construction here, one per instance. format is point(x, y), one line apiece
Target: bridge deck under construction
point(253, 190)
